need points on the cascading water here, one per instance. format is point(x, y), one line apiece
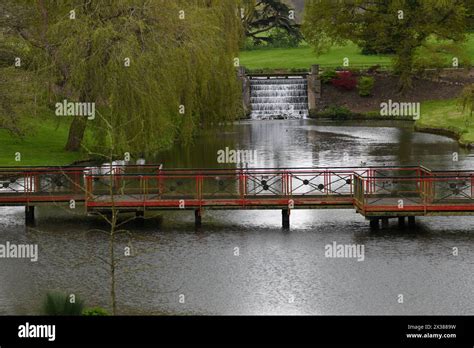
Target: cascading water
point(279, 98)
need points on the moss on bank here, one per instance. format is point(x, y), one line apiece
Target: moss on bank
point(446, 117)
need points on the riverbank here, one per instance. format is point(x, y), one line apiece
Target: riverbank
point(45, 145)
point(386, 89)
point(442, 117)
point(446, 117)
point(343, 113)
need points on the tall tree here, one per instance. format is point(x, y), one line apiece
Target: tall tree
point(160, 69)
point(398, 25)
point(18, 89)
point(261, 16)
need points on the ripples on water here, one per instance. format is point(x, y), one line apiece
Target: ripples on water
point(273, 266)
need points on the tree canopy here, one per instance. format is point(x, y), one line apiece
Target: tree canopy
point(156, 70)
point(260, 17)
point(400, 26)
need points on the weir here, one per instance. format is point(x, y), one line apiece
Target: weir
point(278, 97)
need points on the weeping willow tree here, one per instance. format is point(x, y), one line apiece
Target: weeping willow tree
point(19, 96)
point(157, 70)
point(18, 100)
point(184, 80)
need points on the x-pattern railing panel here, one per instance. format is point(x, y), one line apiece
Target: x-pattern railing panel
point(13, 184)
point(264, 184)
point(453, 189)
point(322, 183)
point(431, 191)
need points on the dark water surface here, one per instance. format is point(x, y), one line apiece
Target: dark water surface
point(275, 271)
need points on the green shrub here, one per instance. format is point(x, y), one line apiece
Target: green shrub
point(355, 71)
point(327, 76)
point(60, 304)
point(365, 85)
point(371, 114)
point(338, 112)
point(95, 311)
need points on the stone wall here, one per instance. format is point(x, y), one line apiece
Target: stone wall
point(459, 76)
point(314, 88)
point(245, 91)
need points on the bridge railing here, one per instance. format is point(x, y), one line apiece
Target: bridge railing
point(431, 191)
point(24, 185)
point(227, 187)
point(19, 187)
point(369, 188)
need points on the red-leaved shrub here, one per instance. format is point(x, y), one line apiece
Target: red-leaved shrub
point(344, 80)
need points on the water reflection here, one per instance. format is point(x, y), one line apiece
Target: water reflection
point(306, 143)
point(275, 272)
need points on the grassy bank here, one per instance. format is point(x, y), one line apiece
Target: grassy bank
point(44, 146)
point(304, 57)
point(445, 117)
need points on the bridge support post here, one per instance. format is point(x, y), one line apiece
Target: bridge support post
point(401, 221)
point(140, 216)
point(374, 224)
point(384, 222)
point(411, 221)
point(30, 214)
point(197, 218)
point(285, 218)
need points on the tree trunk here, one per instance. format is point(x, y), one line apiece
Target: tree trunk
point(112, 273)
point(79, 123)
point(76, 133)
point(404, 67)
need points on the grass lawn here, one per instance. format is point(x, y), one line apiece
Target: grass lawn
point(44, 147)
point(304, 57)
point(447, 115)
point(470, 47)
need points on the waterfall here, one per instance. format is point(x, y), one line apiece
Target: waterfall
point(279, 98)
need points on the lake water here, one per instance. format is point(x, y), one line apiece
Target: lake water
point(242, 262)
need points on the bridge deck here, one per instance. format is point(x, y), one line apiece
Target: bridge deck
point(372, 191)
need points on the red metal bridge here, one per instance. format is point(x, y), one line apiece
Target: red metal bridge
point(378, 193)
